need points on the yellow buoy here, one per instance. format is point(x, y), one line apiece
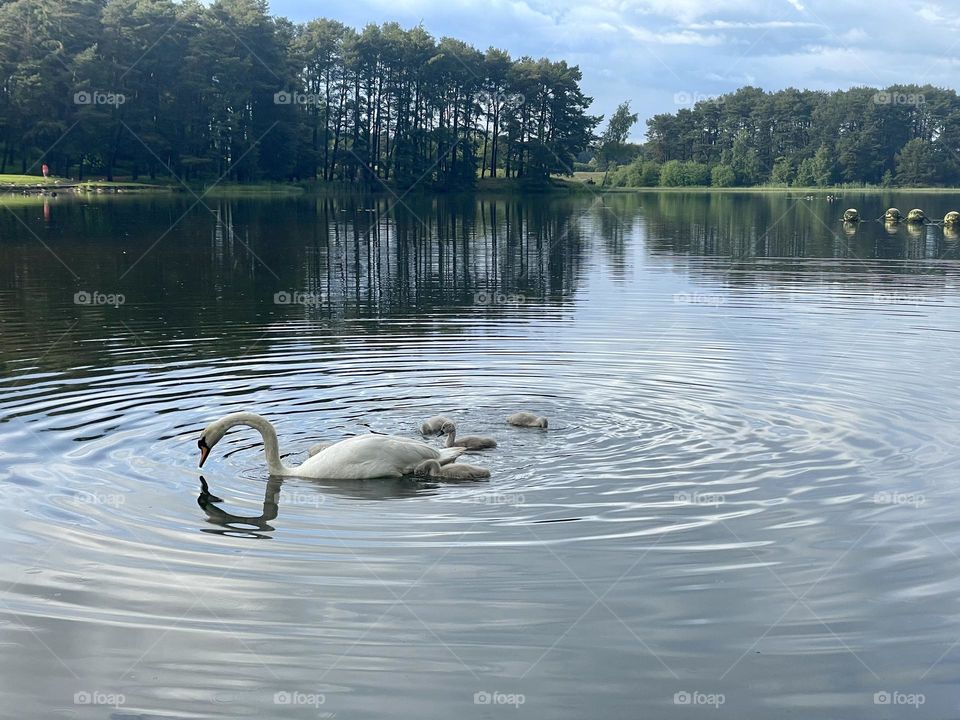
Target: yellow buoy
point(893, 215)
point(851, 215)
point(916, 216)
point(951, 219)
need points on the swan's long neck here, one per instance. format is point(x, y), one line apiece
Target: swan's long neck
point(271, 446)
point(451, 437)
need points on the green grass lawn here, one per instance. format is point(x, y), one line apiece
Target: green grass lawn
point(597, 178)
point(30, 180)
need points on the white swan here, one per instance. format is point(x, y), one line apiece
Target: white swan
point(527, 419)
point(453, 471)
point(358, 458)
point(433, 425)
point(470, 442)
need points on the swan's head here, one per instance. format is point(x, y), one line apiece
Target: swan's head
point(447, 428)
point(211, 435)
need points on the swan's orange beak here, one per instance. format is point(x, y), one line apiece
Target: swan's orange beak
point(204, 451)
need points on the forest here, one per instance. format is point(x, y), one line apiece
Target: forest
point(154, 89)
point(903, 135)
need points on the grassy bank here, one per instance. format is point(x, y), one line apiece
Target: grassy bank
point(597, 178)
point(10, 183)
point(580, 182)
point(526, 186)
point(34, 184)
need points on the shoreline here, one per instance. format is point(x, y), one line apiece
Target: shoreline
point(759, 189)
point(486, 186)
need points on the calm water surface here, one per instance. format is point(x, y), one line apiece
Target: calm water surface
point(746, 503)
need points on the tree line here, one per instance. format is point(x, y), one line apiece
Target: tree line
point(904, 135)
point(163, 89)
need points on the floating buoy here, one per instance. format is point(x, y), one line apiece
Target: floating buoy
point(916, 216)
point(851, 215)
point(951, 219)
point(893, 215)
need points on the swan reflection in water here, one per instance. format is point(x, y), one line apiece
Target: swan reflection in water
point(251, 526)
point(259, 527)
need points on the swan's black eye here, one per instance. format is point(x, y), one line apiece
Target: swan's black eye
point(202, 443)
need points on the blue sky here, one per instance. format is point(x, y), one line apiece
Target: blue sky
point(664, 54)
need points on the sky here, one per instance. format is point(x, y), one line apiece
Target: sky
point(663, 55)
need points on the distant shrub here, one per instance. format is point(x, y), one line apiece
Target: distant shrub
point(650, 173)
point(723, 176)
point(639, 173)
point(782, 173)
point(684, 174)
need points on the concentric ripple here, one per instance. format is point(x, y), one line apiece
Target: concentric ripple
point(727, 435)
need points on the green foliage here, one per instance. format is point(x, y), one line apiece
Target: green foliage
point(650, 173)
point(817, 170)
point(745, 161)
point(917, 163)
point(722, 176)
point(639, 173)
point(806, 138)
point(618, 128)
point(613, 147)
point(782, 173)
point(675, 173)
point(222, 89)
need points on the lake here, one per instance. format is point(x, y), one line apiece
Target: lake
point(746, 502)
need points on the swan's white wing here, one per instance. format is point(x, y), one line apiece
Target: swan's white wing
point(369, 456)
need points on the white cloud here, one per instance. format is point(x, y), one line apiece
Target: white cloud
point(935, 15)
point(648, 50)
point(745, 25)
point(681, 37)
